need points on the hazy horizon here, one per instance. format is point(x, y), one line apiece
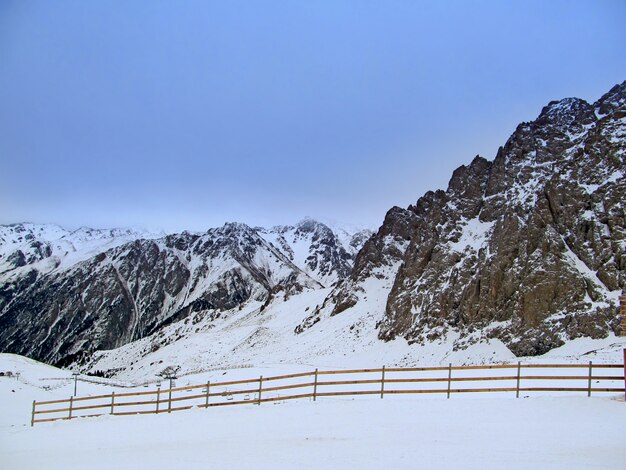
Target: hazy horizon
point(185, 116)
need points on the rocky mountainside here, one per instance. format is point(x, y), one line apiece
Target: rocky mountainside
point(528, 248)
point(28, 251)
point(60, 303)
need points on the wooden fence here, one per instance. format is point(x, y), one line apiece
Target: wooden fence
point(501, 378)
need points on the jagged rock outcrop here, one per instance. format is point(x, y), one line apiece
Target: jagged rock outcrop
point(529, 248)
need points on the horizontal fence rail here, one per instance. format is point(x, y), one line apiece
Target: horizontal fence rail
point(503, 378)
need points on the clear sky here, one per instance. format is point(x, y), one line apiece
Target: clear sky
point(187, 114)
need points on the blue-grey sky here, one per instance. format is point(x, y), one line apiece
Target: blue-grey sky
point(187, 114)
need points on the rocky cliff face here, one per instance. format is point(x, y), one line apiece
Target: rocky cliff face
point(60, 305)
point(529, 248)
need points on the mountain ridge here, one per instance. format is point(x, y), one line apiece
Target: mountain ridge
point(63, 313)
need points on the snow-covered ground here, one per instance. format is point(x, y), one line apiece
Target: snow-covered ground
point(467, 431)
point(555, 433)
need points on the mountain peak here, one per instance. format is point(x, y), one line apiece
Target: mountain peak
point(235, 226)
point(234, 229)
point(565, 112)
point(311, 225)
point(613, 100)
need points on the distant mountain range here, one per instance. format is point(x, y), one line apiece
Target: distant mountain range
point(65, 294)
point(526, 251)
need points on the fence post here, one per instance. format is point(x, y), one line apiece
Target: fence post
point(449, 378)
point(519, 373)
point(71, 405)
point(315, 386)
point(158, 398)
point(32, 419)
point(622, 309)
point(382, 383)
point(169, 399)
point(589, 384)
point(260, 386)
point(112, 401)
point(208, 385)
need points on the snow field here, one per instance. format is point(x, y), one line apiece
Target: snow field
point(486, 431)
point(555, 433)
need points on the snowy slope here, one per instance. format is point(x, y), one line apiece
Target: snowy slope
point(251, 337)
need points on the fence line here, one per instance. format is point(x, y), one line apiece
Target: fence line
point(387, 381)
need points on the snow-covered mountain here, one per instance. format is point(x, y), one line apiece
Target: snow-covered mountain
point(528, 249)
point(66, 294)
point(519, 256)
point(28, 251)
point(523, 255)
